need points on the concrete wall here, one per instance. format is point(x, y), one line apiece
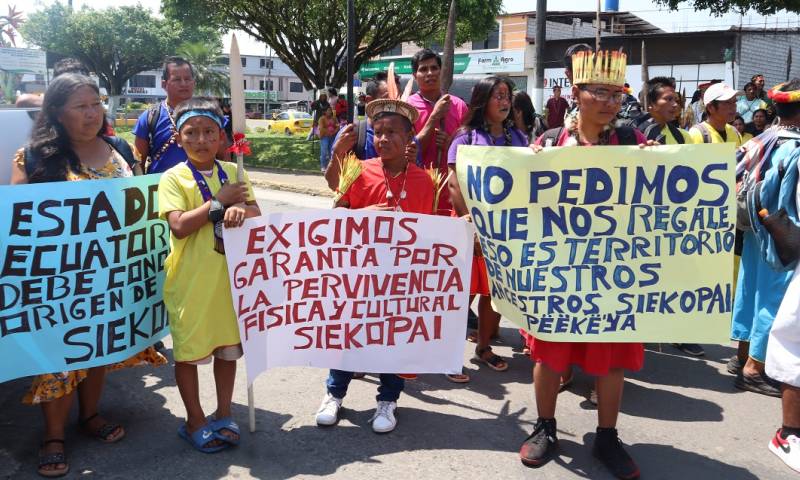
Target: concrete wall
point(767, 53)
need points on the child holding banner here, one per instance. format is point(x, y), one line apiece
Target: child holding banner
point(488, 123)
point(598, 81)
point(389, 183)
point(196, 199)
point(68, 144)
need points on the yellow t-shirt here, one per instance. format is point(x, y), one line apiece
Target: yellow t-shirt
point(731, 135)
point(197, 290)
point(669, 139)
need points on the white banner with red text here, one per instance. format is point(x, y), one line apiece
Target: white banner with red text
point(354, 290)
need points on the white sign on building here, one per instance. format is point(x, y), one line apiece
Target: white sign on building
point(23, 60)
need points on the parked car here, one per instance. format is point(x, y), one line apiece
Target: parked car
point(15, 128)
point(290, 122)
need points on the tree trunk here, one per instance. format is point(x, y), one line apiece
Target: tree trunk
point(448, 62)
point(113, 104)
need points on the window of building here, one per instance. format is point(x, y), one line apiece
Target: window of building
point(145, 81)
point(295, 87)
point(394, 52)
point(270, 85)
point(267, 63)
point(245, 83)
point(436, 47)
point(491, 42)
point(244, 61)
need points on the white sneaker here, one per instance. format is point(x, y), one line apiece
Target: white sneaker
point(787, 449)
point(383, 421)
point(328, 413)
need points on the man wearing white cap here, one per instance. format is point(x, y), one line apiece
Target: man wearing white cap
point(720, 102)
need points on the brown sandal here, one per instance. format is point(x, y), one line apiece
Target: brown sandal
point(493, 361)
point(57, 458)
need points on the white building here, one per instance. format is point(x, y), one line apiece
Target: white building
point(267, 80)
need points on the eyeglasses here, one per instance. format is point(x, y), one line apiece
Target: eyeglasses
point(500, 98)
point(603, 95)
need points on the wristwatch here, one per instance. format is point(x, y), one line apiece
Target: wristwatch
point(217, 212)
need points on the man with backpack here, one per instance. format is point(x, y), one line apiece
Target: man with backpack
point(156, 134)
point(662, 108)
point(759, 288)
point(358, 136)
point(775, 198)
point(720, 102)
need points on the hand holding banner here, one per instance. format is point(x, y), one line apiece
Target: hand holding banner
point(81, 274)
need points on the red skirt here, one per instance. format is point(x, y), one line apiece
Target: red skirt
point(479, 284)
point(593, 358)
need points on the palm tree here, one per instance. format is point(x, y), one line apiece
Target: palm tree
point(210, 76)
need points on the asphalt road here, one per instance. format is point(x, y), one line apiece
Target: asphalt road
point(681, 418)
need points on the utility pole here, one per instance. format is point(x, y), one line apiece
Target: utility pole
point(266, 85)
point(351, 51)
point(597, 32)
point(538, 72)
point(269, 77)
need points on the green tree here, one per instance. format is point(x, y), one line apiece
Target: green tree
point(720, 7)
point(115, 43)
point(310, 36)
point(210, 77)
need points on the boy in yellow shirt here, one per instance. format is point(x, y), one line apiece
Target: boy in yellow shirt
point(197, 200)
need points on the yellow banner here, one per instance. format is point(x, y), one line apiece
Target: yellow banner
point(607, 244)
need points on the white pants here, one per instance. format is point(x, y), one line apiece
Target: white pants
point(783, 348)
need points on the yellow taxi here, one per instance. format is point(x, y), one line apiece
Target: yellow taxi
point(290, 122)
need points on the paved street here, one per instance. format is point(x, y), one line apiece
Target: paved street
point(681, 417)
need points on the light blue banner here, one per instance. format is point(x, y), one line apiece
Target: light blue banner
point(81, 274)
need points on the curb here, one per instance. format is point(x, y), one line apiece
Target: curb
point(287, 187)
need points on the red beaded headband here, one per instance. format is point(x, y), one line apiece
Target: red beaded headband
point(783, 97)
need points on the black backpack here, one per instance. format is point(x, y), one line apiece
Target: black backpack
point(360, 149)
point(653, 131)
point(153, 114)
point(117, 143)
point(626, 136)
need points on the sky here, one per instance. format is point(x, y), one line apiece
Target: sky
point(685, 19)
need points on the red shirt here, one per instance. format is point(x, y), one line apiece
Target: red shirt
point(452, 121)
point(370, 188)
point(556, 109)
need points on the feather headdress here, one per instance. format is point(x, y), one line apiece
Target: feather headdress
point(605, 67)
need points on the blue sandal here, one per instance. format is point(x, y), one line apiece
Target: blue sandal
point(226, 423)
point(201, 438)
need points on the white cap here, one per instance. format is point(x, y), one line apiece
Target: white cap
point(720, 91)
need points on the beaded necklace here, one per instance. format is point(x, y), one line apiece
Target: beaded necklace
point(390, 194)
point(172, 139)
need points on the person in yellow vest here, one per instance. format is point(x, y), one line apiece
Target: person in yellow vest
point(720, 101)
point(663, 107)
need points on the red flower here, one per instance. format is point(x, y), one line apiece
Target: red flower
point(240, 145)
